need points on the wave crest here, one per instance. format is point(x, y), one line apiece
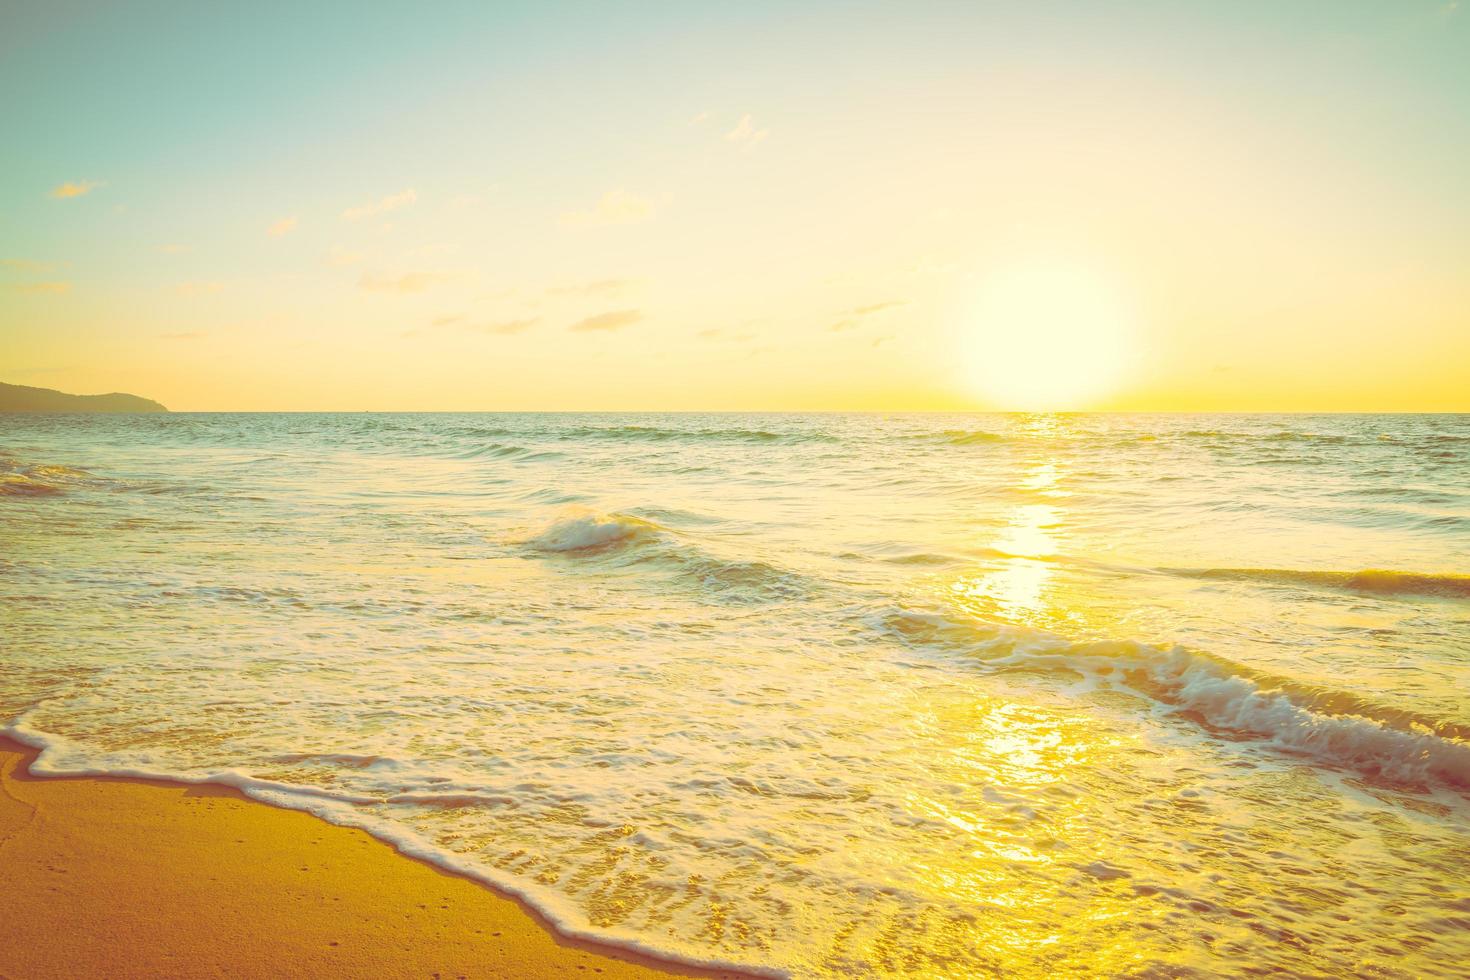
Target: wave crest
point(1377, 580)
point(623, 541)
point(587, 532)
point(1335, 728)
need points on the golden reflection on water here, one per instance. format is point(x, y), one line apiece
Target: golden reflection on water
point(1023, 836)
point(1016, 588)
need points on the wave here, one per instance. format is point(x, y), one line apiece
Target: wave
point(346, 810)
point(625, 541)
point(648, 433)
point(962, 437)
point(1375, 580)
point(42, 480)
point(1332, 727)
point(593, 531)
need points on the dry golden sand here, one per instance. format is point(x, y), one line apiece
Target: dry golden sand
point(103, 877)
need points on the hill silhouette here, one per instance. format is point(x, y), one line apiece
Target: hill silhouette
point(23, 398)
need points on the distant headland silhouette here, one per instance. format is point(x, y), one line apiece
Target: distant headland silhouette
point(23, 398)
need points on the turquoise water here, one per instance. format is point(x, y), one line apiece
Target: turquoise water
point(818, 695)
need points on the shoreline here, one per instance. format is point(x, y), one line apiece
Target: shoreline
point(124, 876)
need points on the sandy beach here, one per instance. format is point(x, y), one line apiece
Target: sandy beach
point(122, 877)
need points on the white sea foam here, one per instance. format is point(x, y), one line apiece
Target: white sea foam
point(345, 810)
point(1221, 695)
point(588, 531)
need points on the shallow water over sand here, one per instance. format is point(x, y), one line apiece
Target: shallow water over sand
point(823, 695)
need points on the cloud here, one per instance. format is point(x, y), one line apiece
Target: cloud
point(283, 227)
point(853, 317)
point(341, 258)
point(390, 203)
point(507, 327)
point(721, 333)
point(611, 320)
point(409, 282)
point(697, 119)
point(597, 287)
point(172, 249)
point(198, 288)
point(78, 189)
point(745, 133)
point(444, 321)
point(185, 335)
point(880, 341)
point(875, 308)
point(27, 265)
point(56, 287)
point(617, 207)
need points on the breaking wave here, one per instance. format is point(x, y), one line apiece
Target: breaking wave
point(591, 531)
point(624, 541)
point(40, 480)
point(1335, 728)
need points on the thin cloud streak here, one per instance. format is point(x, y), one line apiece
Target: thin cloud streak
point(616, 207)
point(390, 203)
point(409, 282)
point(611, 320)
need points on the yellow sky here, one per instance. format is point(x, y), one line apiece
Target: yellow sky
point(1180, 207)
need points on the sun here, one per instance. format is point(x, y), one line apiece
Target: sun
point(1046, 336)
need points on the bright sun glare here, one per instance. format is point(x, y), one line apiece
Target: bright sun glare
point(1047, 336)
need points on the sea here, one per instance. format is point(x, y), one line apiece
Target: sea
point(807, 695)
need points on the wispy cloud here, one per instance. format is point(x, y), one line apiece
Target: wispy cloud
point(697, 118)
point(721, 333)
point(854, 317)
point(198, 288)
point(77, 189)
point(390, 203)
point(174, 249)
point(597, 287)
point(282, 227)
point(444, 321)
point(872, 308)
point(617, 207)
point(341, 258)
point(611, 320)
point(27, 265)
point(746, 133)
point(507, 327)
point(55, 287)
point(408, 282)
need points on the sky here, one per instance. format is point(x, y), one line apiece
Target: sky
point(1146, 206)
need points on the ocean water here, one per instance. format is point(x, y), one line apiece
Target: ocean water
point(813, 695)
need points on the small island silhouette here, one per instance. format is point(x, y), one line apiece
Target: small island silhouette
point(23, 398)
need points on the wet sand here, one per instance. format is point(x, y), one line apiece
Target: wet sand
point(110, 877)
